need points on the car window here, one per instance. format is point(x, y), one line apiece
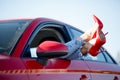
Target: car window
point(109, 58)
point(48, 32)
point(100, 57)
point(76, 33)
point(43, 35)
point(10, 32)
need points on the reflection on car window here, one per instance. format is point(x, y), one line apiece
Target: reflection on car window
point(10, 32)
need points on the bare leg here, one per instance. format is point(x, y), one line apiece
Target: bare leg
point(90, 33)
point(93, 45)
point(94, 38)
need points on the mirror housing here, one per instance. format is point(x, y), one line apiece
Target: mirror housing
point(51, 49)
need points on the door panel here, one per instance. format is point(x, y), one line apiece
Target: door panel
point(57, 70)
point(103, 71)
point(13, 69)
point(57, 76)
point(32, 64)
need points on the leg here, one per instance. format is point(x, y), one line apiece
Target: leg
point(93, 45)
point(88, 35)
point(94, 38)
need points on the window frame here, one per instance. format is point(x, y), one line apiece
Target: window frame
point(38, 28)
point(105, 52)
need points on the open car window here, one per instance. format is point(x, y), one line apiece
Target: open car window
point(43, 35)
point(101, 57)
point(53, 32)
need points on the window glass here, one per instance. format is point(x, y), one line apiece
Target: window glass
point(10, 32)
point(109, 59)
point(100, 57)
point(76, 33)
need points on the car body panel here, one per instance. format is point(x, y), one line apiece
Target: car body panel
point(10, 68)
point(61, 69)
point(101, 70)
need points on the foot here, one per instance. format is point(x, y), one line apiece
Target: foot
point(96, 43)
point(88, 35)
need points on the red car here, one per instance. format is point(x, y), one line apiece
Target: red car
point(19, 58)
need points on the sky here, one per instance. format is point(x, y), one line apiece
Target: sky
point(78, 13)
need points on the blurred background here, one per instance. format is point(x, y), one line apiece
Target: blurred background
point(78, 13)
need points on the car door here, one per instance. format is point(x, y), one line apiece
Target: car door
point(53, 69)
point(12, 68)
point(103, 66)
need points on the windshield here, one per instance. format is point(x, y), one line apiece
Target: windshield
point(10, 32)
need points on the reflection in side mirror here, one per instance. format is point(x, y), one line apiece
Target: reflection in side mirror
point(51, 49)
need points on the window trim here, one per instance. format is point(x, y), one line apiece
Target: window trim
point(105, 53)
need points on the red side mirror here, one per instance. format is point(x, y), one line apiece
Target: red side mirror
point(51, 49)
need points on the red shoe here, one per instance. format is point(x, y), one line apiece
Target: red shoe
point(97, 42)
point(92, 31)
point(98, 24)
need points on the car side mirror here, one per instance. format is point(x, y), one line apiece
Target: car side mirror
point(51, 49)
